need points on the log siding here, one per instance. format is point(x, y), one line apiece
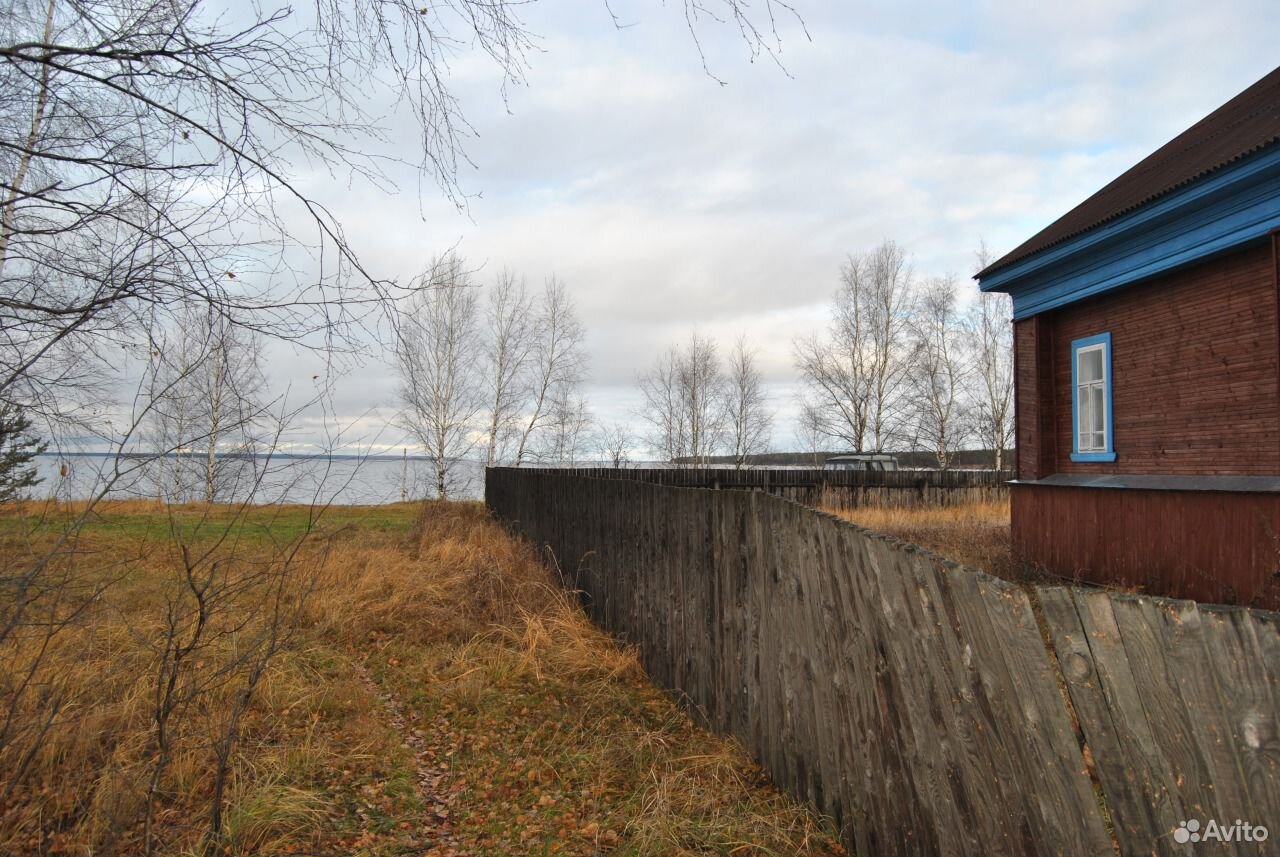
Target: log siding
point(1194, 367)
point(1195, 393)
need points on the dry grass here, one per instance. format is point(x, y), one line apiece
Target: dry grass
point(545, 734)
point(976, 534)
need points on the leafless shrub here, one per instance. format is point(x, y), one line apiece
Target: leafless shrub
point(615, 443)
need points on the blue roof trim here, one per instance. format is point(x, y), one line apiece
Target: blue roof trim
point(1233, 206)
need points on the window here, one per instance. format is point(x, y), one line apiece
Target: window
point(1091, 399)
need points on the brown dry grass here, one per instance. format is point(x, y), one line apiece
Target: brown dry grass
point(546, 735)
point(975, 534)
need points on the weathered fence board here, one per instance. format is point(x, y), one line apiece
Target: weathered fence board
point(835, 489)
point(910, 700)
point(1178, 705)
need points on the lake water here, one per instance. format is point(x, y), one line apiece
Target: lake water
point(338, 480)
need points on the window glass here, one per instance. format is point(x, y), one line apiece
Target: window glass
point(1092, 398)
point(1085, 403)
point(1090, 365)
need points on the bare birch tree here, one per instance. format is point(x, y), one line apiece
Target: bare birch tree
point(856, 374)
point(558, 363)
point(509, 329)
point(568, 426)
point(663, 407)
point(889, 292)
point(810, 432)
point(437, 358)
point(748, 418)
point(209, 392)
point(940, 372)
point(837, 401)
point(154, 155)
point(702, 388)
point(991, 334)
point(146, 166)
point(685, 401)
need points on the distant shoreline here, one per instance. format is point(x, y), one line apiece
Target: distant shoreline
point(289, 455)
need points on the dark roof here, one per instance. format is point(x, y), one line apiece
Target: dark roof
point(1242, 126)
point(861, 456)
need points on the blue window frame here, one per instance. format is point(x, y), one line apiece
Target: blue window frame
point(1092, 425)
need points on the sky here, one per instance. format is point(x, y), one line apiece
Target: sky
point(670, 202)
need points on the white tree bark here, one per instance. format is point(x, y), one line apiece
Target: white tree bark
point(558, 364)
point(685, 401)
point(750, 421)
point(509, 324)
point(991, 335)
point(437, 358)
point(856, 375)
point(940, 372)
point(208, 405)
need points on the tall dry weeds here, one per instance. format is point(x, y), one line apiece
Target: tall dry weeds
point(975, 534)
point(547, 728)
point(128, 714)
point(457, 575)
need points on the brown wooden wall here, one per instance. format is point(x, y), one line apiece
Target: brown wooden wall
point(1196, 388)
point(1217, 546)
point(1033, 400)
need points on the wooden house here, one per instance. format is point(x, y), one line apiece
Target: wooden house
point(1147, 369)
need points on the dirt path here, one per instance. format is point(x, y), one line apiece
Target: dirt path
point(437, 826)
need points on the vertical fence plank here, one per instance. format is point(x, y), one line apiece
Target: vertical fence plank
point(1137, 781)
point(1254, 673)
point(1192, 650)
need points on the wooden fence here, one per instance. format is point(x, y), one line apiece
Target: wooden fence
point(918, 703)
point(1178, 703)
point(833, 489)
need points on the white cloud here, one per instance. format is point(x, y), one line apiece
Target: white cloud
point(668, 202)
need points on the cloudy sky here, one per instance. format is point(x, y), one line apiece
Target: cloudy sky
point(668, 202)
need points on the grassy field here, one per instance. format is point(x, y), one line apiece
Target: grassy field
point(429, 691)
point(975, 534)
